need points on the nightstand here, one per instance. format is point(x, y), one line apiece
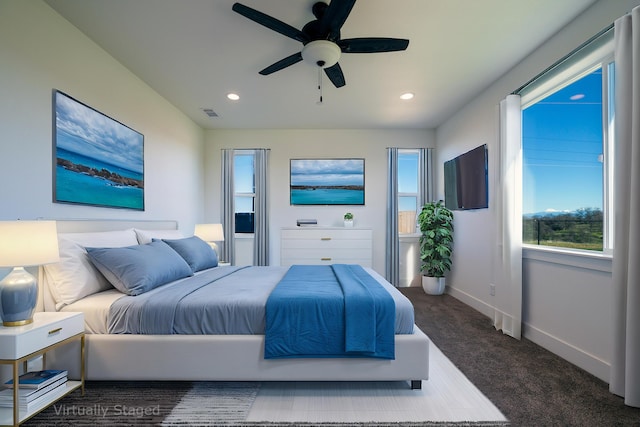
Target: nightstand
point(20, 344)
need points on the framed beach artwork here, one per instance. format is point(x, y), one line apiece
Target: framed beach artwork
point(327, 181)
point(98, 161)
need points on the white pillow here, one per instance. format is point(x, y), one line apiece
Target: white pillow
point(146, 236)
point(74, 276)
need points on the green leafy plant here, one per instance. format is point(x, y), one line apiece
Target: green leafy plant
point(436, 240)
point(348, 216)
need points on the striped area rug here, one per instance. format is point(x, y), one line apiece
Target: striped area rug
point(156, 403)
point(214, 404)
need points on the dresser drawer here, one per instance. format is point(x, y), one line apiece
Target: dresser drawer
point(326, 243)
point(324, 234)
point(47, 329)
point(364, 262)
point(335, 254)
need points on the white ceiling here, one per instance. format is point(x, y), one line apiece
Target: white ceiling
point(194, 52)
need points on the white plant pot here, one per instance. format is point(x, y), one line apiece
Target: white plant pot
point(348, 223)
point(433, 285)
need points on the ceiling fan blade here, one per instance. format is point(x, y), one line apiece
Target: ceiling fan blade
point(270, 22)
point(334, 17)
point(372, 45)
point(283, 63)
point(335, 75)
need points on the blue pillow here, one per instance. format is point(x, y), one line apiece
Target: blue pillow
point(134, 270)
point(195, 251)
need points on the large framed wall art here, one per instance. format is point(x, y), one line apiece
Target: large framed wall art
point(327, 181)
point(98, 161)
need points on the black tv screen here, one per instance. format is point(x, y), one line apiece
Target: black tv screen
point(466, 180)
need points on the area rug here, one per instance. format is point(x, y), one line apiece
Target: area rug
point(448, 398)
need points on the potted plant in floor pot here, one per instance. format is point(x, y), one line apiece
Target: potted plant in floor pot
point(436, 245)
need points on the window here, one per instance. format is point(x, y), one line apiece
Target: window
point(408, 189)
point(566, 174)
point(244, 190)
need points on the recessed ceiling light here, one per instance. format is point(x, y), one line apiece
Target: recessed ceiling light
point(233, 96)
point(406, 96)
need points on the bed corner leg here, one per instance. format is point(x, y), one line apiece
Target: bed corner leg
point(416, 385)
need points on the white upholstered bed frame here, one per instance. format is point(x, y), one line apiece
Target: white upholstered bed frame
point(218, 357)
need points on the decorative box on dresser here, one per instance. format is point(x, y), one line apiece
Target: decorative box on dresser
point(326, 245)
point(20, 344)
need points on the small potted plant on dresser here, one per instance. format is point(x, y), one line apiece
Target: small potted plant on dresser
point(348, 219)
point(436, 245)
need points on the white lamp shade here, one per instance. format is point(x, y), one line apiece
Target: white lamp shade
point(209, 232)
point(27, 243)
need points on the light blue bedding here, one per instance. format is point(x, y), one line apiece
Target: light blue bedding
point(329, 311)
point(222, 300)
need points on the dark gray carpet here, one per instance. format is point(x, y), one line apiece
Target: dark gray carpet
point(530, 385)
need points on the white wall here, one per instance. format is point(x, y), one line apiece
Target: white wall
point(566, 299)
point(40, 51)
point(287, 144)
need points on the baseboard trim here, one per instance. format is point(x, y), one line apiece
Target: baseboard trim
point(584, 360)
point(472, 301)
point(589, 362)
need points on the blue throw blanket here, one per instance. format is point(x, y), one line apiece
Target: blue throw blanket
point(329, 311)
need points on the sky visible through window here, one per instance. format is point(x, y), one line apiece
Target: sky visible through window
point(562, 149)
point(243, 181)
point(407, 180)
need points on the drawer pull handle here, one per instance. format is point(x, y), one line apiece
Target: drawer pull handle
point(325, 259)
point(54, 331)
point(325, 238)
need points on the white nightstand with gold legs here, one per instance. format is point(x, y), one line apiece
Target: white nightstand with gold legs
point(20, 344)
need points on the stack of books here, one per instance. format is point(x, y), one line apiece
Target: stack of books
point(33, 388)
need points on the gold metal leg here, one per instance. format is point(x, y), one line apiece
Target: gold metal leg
point(16, 406)
point(82, 363)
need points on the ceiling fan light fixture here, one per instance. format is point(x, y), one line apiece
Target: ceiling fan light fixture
point(321, 53)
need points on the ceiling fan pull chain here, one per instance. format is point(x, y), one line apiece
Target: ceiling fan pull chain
point(320, 84)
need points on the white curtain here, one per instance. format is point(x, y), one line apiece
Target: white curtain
point(228, 207)
point(625, 363)
point(392, 255)
point(508, 194)
point(261, 208)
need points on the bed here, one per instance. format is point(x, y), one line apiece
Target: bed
point(210, 356)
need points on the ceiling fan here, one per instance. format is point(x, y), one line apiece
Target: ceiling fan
point(321, 38)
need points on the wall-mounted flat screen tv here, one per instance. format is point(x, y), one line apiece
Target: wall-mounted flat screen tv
point(466, 180)
point(327, 182)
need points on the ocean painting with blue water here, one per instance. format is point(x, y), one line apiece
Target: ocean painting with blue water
point(99, 161)
point(327, 181)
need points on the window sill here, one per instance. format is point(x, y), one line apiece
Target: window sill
point(409, 237)
point(580, 259)
point(243, 235)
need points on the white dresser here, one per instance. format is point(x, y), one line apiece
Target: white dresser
point(326, 245)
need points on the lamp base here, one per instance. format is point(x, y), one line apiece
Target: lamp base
point(18, 297)
point(18, 323)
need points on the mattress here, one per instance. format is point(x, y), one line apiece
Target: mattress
point(235, 307)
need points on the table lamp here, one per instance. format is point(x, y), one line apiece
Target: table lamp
point(210, 233)
point(22, 244)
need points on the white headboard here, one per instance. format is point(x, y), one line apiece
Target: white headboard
point(89, 225)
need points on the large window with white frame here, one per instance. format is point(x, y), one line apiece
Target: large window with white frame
point(567, 138)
